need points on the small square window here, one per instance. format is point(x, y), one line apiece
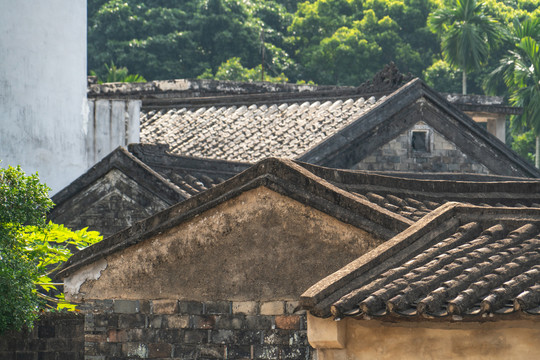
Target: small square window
point(420, 141)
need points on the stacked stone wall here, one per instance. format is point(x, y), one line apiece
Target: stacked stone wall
point(55, 336)
point(169, 329)
point(441, 156)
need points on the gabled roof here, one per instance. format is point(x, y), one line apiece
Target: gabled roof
point(282, 176)
point(338, 133)
point(128, 186)
point(399, 111)
point(459, 262)
point(251, 133)
point(190, 174)
point(114, 192)
point(414, 195)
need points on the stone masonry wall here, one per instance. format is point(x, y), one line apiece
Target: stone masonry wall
point(169, 329)
point(55, 336)
point(442, 155)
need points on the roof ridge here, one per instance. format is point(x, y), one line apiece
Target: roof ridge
point(280, 175)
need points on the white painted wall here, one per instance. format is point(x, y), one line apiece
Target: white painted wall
point(111, 123)
point(43, 109)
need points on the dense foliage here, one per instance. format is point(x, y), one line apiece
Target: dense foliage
point(30, 249)
point(325, 41)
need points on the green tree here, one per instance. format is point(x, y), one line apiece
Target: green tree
point(30, 250)
point(116, 74)
point(442, 77)
point(233, 70)
point(180, 39)
point(347, 41)
point(467, 35)
point(23, 201)
point(520, 70)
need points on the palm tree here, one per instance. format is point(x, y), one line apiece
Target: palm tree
point(520, 70)
point(467, 35)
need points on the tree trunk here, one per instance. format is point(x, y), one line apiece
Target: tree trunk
point(464, 83)
point(537, 155)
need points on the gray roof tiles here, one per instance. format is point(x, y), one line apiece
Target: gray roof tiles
point(251, 133)
point(476, 270)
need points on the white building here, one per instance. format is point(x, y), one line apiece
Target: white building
point(43, 108)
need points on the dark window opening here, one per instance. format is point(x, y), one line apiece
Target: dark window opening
point(419, 141)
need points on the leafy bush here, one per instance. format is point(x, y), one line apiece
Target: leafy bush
point(31, 250)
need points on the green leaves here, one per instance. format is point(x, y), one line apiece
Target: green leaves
point(30, 250)
point(48, 248)
point(467, 34)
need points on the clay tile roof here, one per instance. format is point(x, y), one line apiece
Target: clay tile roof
point(460, 262)
point(280, 175)
point(251, 133)
point(414, 195)
point(191, 175)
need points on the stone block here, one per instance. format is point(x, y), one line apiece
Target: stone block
point(190, 307)
point(145, 306)
point(287, 322)
point(223, 337)
point(239, 352)
point(272, 308)
point(218, 307)
point(170, 336)
point(276, 337)
point(126, 306)
point(176, 321)
point(164, 306)
point(136, 335)
point(195, 336)
point(116, 335)
point(203, 321)
point(131, 321)
point(156, 321)
point(185, 351)
point(294, 352)
point(106, 320)
point(266, 352)
point(249, 337)
point(102, 306)
point(95, 338)
point(259, 322)
point(291, 306)
point(212, 351)
point(159, 350)
point(89, 322)
point(230, 322)
point(135, 350)
point(245, 307)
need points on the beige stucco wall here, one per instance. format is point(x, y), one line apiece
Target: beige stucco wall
point(259, 245)
point(504, 339)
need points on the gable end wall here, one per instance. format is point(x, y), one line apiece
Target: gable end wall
point(442, 155)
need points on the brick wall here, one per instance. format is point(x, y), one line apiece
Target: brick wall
point(441, 155)
point(169, 329)
point(55, 336)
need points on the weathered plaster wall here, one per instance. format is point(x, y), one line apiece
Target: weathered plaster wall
point(43, 106)
point(503, 339)
point(111, 123)
point(258, 246)
point(443, 155)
